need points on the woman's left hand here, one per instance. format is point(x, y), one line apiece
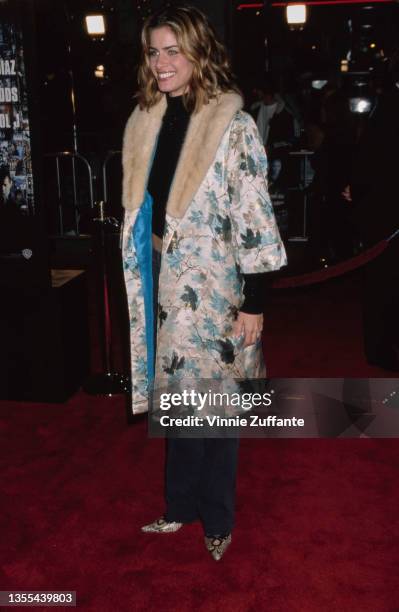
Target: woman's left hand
point(251, 325)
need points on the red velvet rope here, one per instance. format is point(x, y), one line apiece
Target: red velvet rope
point(319, 276)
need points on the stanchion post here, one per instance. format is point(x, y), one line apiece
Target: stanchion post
point(106, 382)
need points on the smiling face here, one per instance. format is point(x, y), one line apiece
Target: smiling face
point(170, 67)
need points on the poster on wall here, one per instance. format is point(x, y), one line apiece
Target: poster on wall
point(16, 178)
point(24, 261)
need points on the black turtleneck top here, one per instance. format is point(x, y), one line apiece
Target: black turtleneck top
point(173, 130)
point(170, 140)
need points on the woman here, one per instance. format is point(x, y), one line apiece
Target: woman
point(194, 187)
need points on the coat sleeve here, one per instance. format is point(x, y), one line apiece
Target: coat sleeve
point(256, 237)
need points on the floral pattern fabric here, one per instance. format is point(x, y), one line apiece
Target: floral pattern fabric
point(228, 229)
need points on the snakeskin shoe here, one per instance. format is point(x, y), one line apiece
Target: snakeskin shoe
point(161, 526)
point(217, 545)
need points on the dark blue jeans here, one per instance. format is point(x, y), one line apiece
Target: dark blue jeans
point(200, 473)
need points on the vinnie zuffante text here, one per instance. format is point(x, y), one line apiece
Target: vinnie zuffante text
point(252, 420)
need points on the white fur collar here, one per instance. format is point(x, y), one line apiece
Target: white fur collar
point(204, 134)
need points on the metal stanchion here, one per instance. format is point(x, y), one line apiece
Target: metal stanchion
point(304, 181)
point(107, 382)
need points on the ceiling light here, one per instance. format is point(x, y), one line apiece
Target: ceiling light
point(318, 84)
point(360, 105)
point(95, 25)
point(296, 14)
point(99, 71)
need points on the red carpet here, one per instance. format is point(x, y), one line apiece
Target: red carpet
point(317, 331)
point(317, 525)
point(317, 520)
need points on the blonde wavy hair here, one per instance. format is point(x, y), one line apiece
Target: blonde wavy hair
point(199, 43)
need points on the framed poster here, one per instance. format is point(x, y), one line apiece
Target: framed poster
point(23, 243)
point(15, 135)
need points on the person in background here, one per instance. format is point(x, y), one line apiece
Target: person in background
point(332, 164)
point(374, 196)
point(272, 108)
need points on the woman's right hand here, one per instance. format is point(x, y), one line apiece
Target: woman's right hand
point(249, 325)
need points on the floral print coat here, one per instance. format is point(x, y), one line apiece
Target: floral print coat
point(225, 229)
